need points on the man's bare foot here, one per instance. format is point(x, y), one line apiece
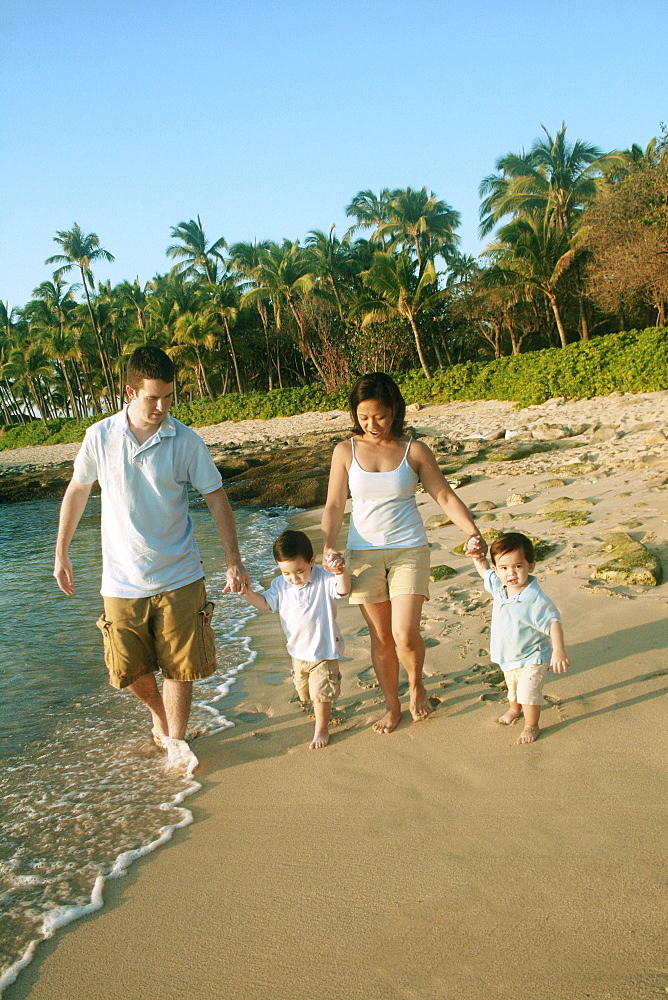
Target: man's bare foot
point(509, 717)
point(419, 705)
point(529, 734)
point(320, 739)
point(159, 737)
point(389, 722)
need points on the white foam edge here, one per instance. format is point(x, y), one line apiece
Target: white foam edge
point(60, 916)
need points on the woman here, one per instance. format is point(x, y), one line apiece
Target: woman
point(388, 553)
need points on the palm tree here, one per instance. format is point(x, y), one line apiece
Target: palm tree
point(197, 331)
point(532, 254)
point(55, 304)
point(555, 180)
point(418, 221)
point(245, 258)
point(369, 209)
point(224, 304)
point(395, 289)
point(81, 250)
point(284, 276)
point(331, 261)
point(194, 253)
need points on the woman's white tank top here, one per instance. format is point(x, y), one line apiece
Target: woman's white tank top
point(384, 512)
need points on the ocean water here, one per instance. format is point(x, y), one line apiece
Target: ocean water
point(83, 791)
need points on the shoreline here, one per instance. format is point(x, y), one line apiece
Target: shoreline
point(385, 866)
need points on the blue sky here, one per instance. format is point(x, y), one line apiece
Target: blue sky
point(266, 117)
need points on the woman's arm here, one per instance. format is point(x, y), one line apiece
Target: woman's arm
point(337, 494)
point(434, 482)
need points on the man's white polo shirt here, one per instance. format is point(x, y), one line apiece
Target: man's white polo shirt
point(148, 544)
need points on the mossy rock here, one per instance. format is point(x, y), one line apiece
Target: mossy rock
point(569, 518)
point(443, 572)
point(483, 505)
point(563, 504)
point(551, 484)
point(575, 469)
point(630, 563)
point(437, 521)
point(516, 451)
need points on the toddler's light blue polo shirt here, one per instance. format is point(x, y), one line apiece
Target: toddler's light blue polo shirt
point(148, 544)
point(520, 624)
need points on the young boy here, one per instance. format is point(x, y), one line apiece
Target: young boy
point(305, 597)
point(526, 637)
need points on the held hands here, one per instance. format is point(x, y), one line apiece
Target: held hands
point(475, 546)
point(333, 561)
point(238, 580)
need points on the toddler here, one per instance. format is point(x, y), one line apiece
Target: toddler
point(527, 638)
point(305, 597)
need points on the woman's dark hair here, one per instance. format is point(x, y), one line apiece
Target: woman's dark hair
point(513, 541)
point(292, 544)
point(380, 386)
point(149, 362)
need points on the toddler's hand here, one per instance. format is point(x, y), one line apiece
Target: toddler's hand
point(560, 663)
point(333, 561)
point(475, 545)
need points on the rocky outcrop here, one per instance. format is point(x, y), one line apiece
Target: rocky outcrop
point(629, 562)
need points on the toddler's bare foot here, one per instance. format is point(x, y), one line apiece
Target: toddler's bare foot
point(509, 717)
point(529, 734)
point(320, 739)
point(389, 722)
point(419, 706)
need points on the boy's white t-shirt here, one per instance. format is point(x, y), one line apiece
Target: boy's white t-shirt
point(308, 615)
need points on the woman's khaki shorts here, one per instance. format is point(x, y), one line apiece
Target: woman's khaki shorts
point(525, 684)
point(319, 681)
point(170, 632)
point(380, 574)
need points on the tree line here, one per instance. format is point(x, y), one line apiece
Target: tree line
point(578, 244)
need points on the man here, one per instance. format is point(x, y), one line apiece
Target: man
point(156, 614)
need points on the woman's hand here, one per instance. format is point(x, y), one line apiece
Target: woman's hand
point(332, 559)
point(475, 545)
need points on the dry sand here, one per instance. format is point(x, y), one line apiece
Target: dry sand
point(442, 862)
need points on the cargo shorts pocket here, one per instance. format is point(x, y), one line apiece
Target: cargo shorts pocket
point(207, 642)
point(105, 626)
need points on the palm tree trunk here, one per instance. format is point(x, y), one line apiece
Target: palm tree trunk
point(232, 352)
point(418, 346)
point(557, 316)
point(108, 377)
point(584, 321)
point(261, 308)
point(305, 342)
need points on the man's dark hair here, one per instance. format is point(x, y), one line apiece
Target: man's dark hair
point(149, 362)
point(291, 545)
point(513, 541)
point(379, 386)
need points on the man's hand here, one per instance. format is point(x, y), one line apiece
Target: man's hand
point(237, 579)
point(64, 575)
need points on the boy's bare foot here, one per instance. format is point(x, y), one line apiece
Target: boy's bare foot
point(320, 739)
point(419, 705)
point(529, 734)
point(508, 717)
point(389, 722)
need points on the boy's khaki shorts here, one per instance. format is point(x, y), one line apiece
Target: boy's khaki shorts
point(380, 574)
point(170, 632)
point(318, 681)
point(525, 684)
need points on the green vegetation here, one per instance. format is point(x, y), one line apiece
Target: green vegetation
point(629, 562)
point(635, 361)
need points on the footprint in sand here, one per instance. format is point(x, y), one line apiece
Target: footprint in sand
point(366, 679)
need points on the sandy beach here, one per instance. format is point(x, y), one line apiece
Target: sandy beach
point(441, 862)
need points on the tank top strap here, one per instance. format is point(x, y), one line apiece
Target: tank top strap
point(410, 441)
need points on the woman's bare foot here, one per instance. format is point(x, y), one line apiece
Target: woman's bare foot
point(320, 739)
point(389, 722)
point(509, 717)
point(419, 705)
point(529, 734)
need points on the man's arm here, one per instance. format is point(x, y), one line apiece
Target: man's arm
point(71, 509)
point(223, 518)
